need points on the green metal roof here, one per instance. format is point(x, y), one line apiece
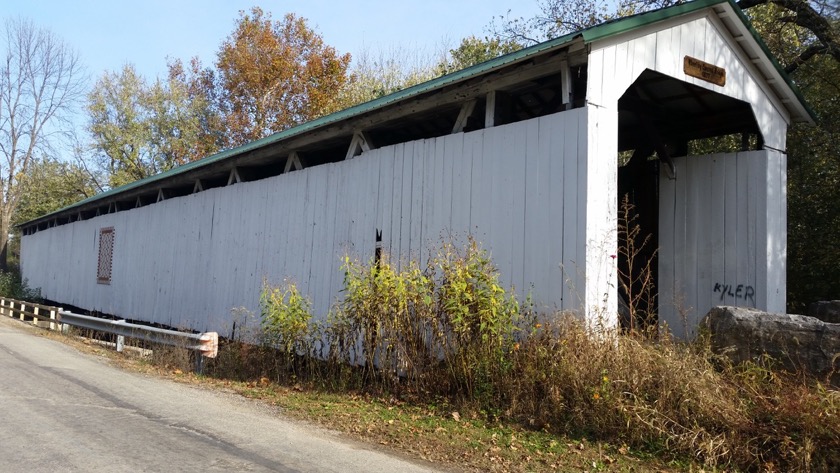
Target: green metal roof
point(595, 33)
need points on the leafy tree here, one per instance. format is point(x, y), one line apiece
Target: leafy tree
point(197, 82)
point(474, 50)
point(140, 130)
point(40, 82)
point(51, 185)
point(275, 74)
point(375, 75)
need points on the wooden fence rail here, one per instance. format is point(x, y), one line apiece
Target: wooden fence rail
point(28, 311)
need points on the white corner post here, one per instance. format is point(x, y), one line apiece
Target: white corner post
point(600, 160)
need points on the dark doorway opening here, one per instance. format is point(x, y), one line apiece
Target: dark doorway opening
point(660, 118)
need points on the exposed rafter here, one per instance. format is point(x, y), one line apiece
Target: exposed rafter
point(234, 177)
point(464, 116)
point(360, 143)
point(293, 161)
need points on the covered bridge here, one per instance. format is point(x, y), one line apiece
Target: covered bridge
point(522, 152)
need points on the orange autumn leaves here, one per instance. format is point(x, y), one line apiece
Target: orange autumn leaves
point(273, 75)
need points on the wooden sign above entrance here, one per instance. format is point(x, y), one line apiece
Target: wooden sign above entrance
point(705, 71)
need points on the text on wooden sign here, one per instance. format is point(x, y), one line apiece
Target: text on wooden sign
point(705, 71)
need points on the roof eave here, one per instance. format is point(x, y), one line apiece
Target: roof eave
point(787, 91)
point(785, 88)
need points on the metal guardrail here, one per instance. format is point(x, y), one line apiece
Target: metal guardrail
point(207, 344)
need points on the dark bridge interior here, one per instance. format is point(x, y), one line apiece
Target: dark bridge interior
point(661, 117)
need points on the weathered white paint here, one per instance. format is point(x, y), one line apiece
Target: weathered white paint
point(722, 236)
point(615, 63)
point(520, 189)
point(601, 177)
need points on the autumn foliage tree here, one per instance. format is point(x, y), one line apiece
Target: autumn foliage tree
point(268, 76)
point(273, 75)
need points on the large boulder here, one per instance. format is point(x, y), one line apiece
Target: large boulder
point(827, 311)
point(795, 341)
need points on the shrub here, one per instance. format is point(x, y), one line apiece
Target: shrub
point(15, 287)
point(285, 322)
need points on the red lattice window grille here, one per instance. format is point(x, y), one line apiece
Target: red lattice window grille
point(106, 255)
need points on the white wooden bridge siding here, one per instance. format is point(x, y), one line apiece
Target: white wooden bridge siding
point(722, 236)
point(616, 62)
point(730, 222)
point(187, 261)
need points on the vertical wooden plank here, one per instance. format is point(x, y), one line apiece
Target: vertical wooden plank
point(666, 59)
point(668, 222)
point(757, 230)
point(717, 228)
point(296, 249)
point(623, 58)
point(743, 223)
point(585, 160)
point(323, 237)
point(780, 270)
point(565, 169)
point(478, 186)
point(418, 196)
point(449, 156)
point(698, 32)
point(410, 181)
point(385, 205)
point(694, 228)
point(730, 233)
point(431, 196)
point(398, 209)
point(610, 88)
point(537, 245)
point(458, 182)
point(301, 251)
point(517, 186)
point(686, 48)
point(595, 76)
point(504, 157)
point(708, 231)
point(680, 297)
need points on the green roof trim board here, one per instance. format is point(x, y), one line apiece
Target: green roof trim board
point(589, 35)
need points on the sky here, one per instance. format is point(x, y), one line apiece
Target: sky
point(110, 34)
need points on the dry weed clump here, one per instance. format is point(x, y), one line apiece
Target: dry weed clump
point(673, 398)
point(624, 388)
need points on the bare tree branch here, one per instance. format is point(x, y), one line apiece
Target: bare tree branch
point(805, 16)
point(40, 80)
